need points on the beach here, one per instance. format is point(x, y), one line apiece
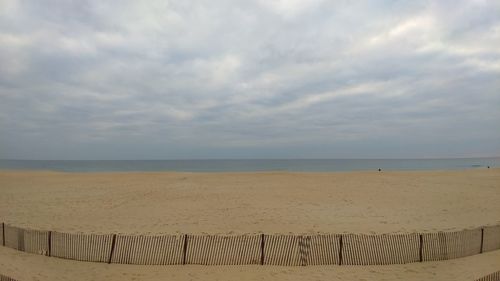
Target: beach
point(237, 203)
point(250, 140)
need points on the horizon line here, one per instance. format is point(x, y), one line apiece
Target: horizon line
point(235, 159)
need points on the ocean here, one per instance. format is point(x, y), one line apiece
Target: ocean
point(250, 165)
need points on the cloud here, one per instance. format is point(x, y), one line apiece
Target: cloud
point(279, 79)
point(290, 8)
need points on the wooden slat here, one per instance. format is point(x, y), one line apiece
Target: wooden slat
point(380, 249)
point(451, 245)
point(82, 247)
point(491, 239)
point(223, 250)
point(148, 250)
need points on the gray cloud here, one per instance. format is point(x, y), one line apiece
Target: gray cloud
point(265, 79)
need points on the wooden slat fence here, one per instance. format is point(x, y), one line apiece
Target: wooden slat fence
point(323, 249)
point(36, 242)
point(293, 250)
point(279, 249)
point(82, 247)
point(223, 250)
point(451, 245)
point(6, 278)
point(149, 250)
point(283, 250)
point(380, 249)
point(491, 238)
point(14, 237)
point(27, 240)
point(490, 277)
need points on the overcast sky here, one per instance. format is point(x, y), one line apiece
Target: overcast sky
point(249, 79)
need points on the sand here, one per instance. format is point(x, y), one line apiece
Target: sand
point(363, 202)
point(25, 266)
point(272, 202)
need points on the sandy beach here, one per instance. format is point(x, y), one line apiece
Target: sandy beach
point(155, 203)
point(147, 203)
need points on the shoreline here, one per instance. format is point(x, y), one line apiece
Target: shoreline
point(467, 169)
point(252, 165)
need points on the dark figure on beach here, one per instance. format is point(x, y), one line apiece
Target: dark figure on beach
point(380, 170)
point(488, 167)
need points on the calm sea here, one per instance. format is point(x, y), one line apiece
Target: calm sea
point(250, 165)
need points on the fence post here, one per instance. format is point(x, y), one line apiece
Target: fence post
point(482, 240)
point(50, 244)
point(112, 248)
point(420, 254)
point(3, 234)
point(185, 249)
point(262, 249)
point(20, 239)
point(341, 246)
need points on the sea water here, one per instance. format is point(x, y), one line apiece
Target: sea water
point(250, 165)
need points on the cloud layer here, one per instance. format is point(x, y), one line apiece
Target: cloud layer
point(250, 79)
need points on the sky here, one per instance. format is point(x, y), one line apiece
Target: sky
point(249, 79)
